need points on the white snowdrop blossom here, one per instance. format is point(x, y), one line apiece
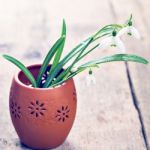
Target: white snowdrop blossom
point(130, 30)
point(113, 40)
point(90, 79)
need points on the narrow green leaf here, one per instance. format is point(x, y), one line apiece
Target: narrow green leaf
point(93, 48)
point(77, 49)
point(61, 82)
point(23, 68)
point(107, 28)
point(63, 28)
point(67, 71)
point(117, 57)
point(63, 62)
point(48, 58)
point(60, 49)
point(70, 76)
point(102, 32)
point(70, 55)
point(61, 76)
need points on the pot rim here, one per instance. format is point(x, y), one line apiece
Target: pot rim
point(16, 78)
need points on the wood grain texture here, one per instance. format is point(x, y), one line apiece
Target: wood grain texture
point(140, 73)
point(106, 117)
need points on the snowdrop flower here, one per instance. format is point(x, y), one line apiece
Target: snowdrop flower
point(113, 40)
point(90, 79)
point(130, 30)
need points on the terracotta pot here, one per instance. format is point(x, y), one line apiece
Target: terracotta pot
point(42, 117)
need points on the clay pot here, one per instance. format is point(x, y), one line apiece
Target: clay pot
point(42, 117)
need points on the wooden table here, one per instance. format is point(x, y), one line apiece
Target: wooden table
point(114, 114)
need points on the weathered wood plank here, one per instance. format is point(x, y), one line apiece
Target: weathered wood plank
point(106, 118)
point(140, 73)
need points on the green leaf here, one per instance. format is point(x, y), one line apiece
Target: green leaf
point(70, 76)
point(69, 56)
point(64, 61)
point(117, 57)
point(60, 49)
point(93, 48)
point(23, 68)
point(61, 82)
point(107, 28)
point(94, 63)
point(67, 71)
point(61, 76)
point(48, 58)
point(63, 28)
point(104, 31)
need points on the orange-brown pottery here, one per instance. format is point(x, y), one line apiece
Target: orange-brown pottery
point(42, 117)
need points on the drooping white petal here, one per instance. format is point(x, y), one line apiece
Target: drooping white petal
point(123, 31)
point(135, 32)
point(105, 43)
point(90, 80)
point(119, 44)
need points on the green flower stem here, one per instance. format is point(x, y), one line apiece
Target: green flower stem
point(61, 64)
point(117, 57)
point(66, 73)
point(89, 51)
point(48, 58)
point(76, 59)
point(60, 49)
point(74, 56)
point(68, 57)
point(69, 77)
point(107, 30)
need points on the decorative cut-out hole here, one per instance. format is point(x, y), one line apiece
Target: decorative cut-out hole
point(45, 75)
point(37, 102)
point(15, 110)
point(62, 113)
point(42, 104)
point(74, 95)
point(41, 113)
point(37, 114)
point(32, 103)
point(58, 111)
point(36, 108)
point(66, 108)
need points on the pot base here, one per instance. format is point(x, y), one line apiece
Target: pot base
point(43, 148)
point(42, 118)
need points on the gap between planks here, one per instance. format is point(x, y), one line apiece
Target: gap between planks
point(132, 90)
point(136, 105)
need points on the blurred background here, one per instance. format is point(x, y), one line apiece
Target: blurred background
point(114, 114)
